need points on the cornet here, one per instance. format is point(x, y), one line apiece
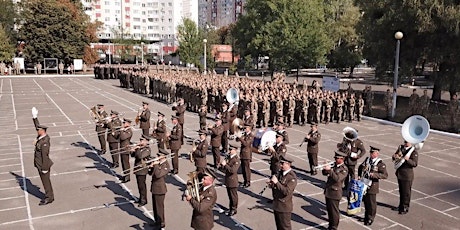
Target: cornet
point(321, 167)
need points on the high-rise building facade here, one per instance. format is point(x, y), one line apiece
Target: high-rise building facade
point(219, 13)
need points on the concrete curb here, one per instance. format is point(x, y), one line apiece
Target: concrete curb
point(46, 75)
point(400, 125)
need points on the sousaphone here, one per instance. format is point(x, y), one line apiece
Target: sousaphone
point(232, 97)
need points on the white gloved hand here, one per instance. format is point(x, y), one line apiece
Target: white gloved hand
point(44, 172)
point(34, 112)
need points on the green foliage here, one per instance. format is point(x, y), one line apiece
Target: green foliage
point(6, 48)
point(53, 29)
point(190, 42)
point(431, 35)
point(290, 32)
point(7, 18)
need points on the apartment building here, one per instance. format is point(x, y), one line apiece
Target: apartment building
point(219, 13)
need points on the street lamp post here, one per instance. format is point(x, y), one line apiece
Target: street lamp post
point(398, 37)
point(204, 55)
point(142, 53)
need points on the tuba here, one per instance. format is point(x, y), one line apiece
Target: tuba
point(193, 185)
point(415, 130)
point(232, 97)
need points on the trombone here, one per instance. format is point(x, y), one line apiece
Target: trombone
point(145, 164)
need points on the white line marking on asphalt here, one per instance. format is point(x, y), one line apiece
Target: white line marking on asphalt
point(4, 166)
point(1, 87)
point(10, 209)
point(56, 84)
point(11, 197)
point(26, 193)
point(7, 159)
point(68, 118)
point(39, 86)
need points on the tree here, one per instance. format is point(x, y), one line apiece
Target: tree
point(290, 32)
point(190, 39)
point(6, 48)
point(8, 16)
point(431, 36)
point(53, 29)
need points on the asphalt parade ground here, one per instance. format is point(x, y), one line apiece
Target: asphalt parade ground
point(89, 195)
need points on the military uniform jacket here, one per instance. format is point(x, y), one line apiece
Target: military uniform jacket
point(216, 135)
point(355, 146)
point(336, 176)
point(249, 120)
point(285, 135)
point(378, 170)
point(246, 146)
point(100, 126)
point(42, 160)
point(125, 139)
point(114, 130)
point(144, 119)
point(406, 170)
point(175, 137)
point(160, 131)
point(140, 155)
point(231, 172)
point(313, 142)
point(158, 173)
point(280, 150)
point(180, 111)
point(202, 217)
point(202, 114)
point(283, 190)
point(200, 154)
point(232, 113)
point(225, 120)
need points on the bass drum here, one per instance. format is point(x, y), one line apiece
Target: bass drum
point(258, 138)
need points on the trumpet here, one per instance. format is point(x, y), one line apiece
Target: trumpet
point(321, 167)
point(148, 163)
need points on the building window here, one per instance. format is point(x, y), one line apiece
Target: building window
point(150, 27)
point(170, 20)
point(137, 19)
point(107, 3)
point(170, 12)
point(137, 27)
point(169, 3)
point(107, 19)
point(107, 11)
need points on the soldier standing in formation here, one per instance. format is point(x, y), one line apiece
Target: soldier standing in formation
point(283, 185)
point(202, 114)
point(125, 140)
point(175, 137)
point(144, 118)
point(388, 103)
point(230, 167)
point(101, 128)
point(141, 153)
point(369, 99)
point(335, 178)
point(159, 169)
point(42, 159)
point(424, 103)
point(246, 155)
point(200, 152)
point(372, 169)
point(405, 174)
point(360, 107)
point(202, 216)
point(313, 137)
point(453, 110)
point(413, 102)
point(114, 126)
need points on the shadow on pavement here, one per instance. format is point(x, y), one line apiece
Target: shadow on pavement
point(28, 186)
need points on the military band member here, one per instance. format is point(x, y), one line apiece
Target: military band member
point(283, 185)
point(216, 140)
point(101, 128)
point(180, 114)
point(313, 137)
point(141, 153)
point(175, 137)
point(281, 129)
point(144, 118)
point(248, 118)
point(202, 114)
point(226, 125)
point(113, 137)
point(159, 169)
point(405, 174)
point(201, 151)
point(424, 102)
point(333, 190)
point(354, 148)
point(372, 169)
point(159, 131)
point(230, 167)
point(202, 217)
point(42, 159)
point(246, 155)
point(125, 140)
point(276, 152)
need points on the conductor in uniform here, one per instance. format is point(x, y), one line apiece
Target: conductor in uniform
point(202, 217)
point(200, 152)
point(230, 167)
point(159, 169)
point(283, 185)
point(101, 127)
point(333, 190)
point(42, 159)
point(313, 137)
point(175, 137)
point(144, 118)
point(372, 169)
point(405, 174)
